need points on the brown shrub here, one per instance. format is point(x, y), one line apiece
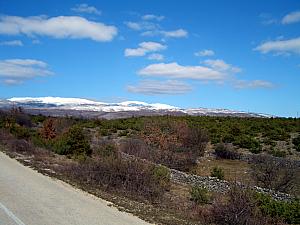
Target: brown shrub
point(276, 173)
point(239, 209)
point(131, 177)
point(48, 131)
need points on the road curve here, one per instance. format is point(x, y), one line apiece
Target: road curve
point(30, 198)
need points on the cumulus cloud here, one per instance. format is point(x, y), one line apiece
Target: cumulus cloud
point(12, 43)
point(15, 71)
point(218, 72)
point(292, 17)
point(156, 56)
point(144, 48)
point(176, 71)
point(205, 52)
point(154, 87)
point(243, 84)
point(85, 8)
point(221, 65)
point(152, 17)
point(74, 27)
point(280, 46)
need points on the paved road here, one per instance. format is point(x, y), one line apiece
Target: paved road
point(30, 198)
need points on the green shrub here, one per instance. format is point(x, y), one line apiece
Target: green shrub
point(250, 143)
point(199, 195)
point(288, 211)
point(108, 150)
point(278, 153)
point(162, 175)
point(73, 143)
point(20, 132)
point(296, 142)
point(218, 173)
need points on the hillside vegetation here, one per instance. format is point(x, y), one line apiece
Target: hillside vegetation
point(131, 158)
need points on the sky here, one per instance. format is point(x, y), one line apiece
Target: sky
point(241, 55)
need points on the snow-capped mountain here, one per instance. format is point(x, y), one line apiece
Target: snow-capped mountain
point(88, 105)
point(83, 107)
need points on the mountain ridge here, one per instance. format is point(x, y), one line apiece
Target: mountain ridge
point(75, 106)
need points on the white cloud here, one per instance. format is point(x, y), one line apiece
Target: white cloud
point(156, 56)
point(58, 27)
point(242, 84)
point(292, 17)
point(218, 73)
point(179, 33)
point(144, 25)
point(144, 48)
point(153, 87)
point(133, 25)
point(12, 43)
point(152, 17)
point(176, 71)
point(85, 8)
point(221, 65)
point(175, 33)
point(15, 71)
point(205, 52)
point(280, 46)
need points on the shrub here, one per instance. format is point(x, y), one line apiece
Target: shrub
point(108, 150)
point(131, 177)
point(275, 173)
point(239, 209)
point(20, 132)
point(288, 211)
point(278, 153)
point(48, 130)
point(218, 173)
point(199, 195)
point(296, 142)
point(73, 143)
point(250, 143)
point(20, 145)
point(162, 175)
point(226, 151)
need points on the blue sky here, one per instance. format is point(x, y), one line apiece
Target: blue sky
point(217, 54)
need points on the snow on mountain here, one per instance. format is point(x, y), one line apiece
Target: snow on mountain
point(56, 100)
point(89, 105)
point(131, 107)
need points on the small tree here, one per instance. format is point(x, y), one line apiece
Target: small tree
point(73, 142)
point(217, 172)
point(199, 195)
point(48, 130)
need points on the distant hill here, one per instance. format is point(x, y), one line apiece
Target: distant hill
point(57, 106)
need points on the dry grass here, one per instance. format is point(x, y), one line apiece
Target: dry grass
point(234, 170)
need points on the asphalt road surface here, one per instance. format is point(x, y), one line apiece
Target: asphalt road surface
point(30, 198)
